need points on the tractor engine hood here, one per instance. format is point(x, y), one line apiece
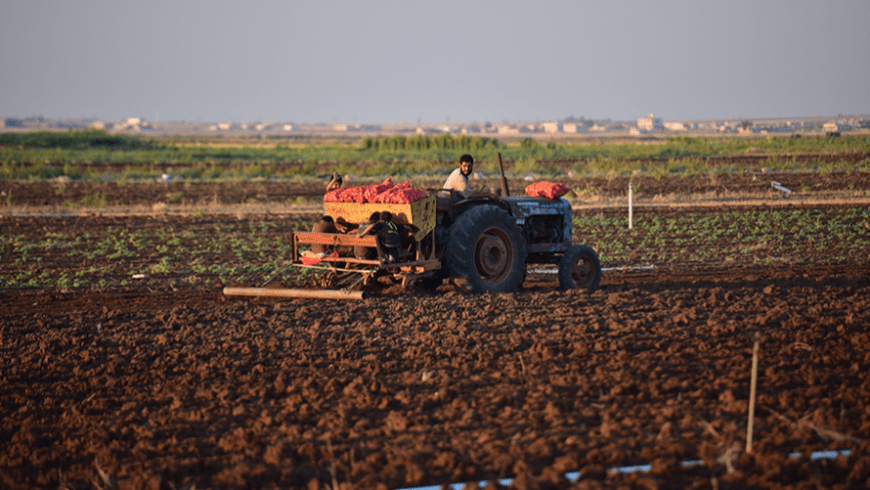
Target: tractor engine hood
point(527, 210)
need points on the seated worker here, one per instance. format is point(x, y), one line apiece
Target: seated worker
point(389, 236)
point(335, 182)
point(458, 179)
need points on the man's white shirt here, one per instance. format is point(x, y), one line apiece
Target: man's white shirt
point(456, 181)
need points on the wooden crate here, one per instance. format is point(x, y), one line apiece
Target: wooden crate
point(420, 214)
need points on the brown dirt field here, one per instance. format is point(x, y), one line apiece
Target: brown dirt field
point(149, 387)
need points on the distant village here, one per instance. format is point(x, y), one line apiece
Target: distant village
point(570, 127)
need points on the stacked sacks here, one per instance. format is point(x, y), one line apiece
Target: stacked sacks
point(550, 190)
point(373, 191)
point(346, 194)
point(400, 194)
point(383, 196)
point(384, 193)
point(405, 196)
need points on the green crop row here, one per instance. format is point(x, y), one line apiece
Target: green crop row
point(116, 255)
point(604, 167)
point(76, 140)
point(740, 236)
point(216, 254)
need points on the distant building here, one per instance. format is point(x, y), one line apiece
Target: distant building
point(552, 127)
point(356, 127)
point(649, 124)
point(727, 127)
point(579, 128)
point(11, 122)
point(291, 127)
point(67, 124)
point(511, 129)
point(833, 126)
point(133, 124)
point(427, 131)
point(102, 125)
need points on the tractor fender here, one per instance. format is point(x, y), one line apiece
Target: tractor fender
point(462, 206)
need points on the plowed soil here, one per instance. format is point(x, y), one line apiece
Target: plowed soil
point(150, 387)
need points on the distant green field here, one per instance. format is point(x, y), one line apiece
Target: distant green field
point(44, 155)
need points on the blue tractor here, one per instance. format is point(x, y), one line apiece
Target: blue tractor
point(486, 241)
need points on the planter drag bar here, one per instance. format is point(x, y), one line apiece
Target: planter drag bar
point(296, 293)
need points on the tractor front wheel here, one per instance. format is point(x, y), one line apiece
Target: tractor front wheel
point(580, 268)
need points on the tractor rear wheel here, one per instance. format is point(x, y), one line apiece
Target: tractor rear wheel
point(485, 248)
point(580, 268)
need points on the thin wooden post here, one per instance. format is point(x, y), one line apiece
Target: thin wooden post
point(753, 383)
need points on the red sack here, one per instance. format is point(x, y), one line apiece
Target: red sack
point(550, 190)
point(385, 197)
point(349, 194)
point(316, 260)
point(346, 194)
point(333, 195)
point(406, 196)
point(373, 190)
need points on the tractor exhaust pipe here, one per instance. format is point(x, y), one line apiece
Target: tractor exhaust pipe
point(296, 293)
point(504, 186)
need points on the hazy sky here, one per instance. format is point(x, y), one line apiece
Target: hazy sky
point(433, 61)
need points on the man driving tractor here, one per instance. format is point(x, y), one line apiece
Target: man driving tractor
point(458, 179)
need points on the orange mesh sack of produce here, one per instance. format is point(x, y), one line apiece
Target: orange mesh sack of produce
point(359, 194)
point(310, 258)
point(406, 196)
point(384, 197)
point(373, 191)
point(550, 190)
point(346, 194)
point(333, 195)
